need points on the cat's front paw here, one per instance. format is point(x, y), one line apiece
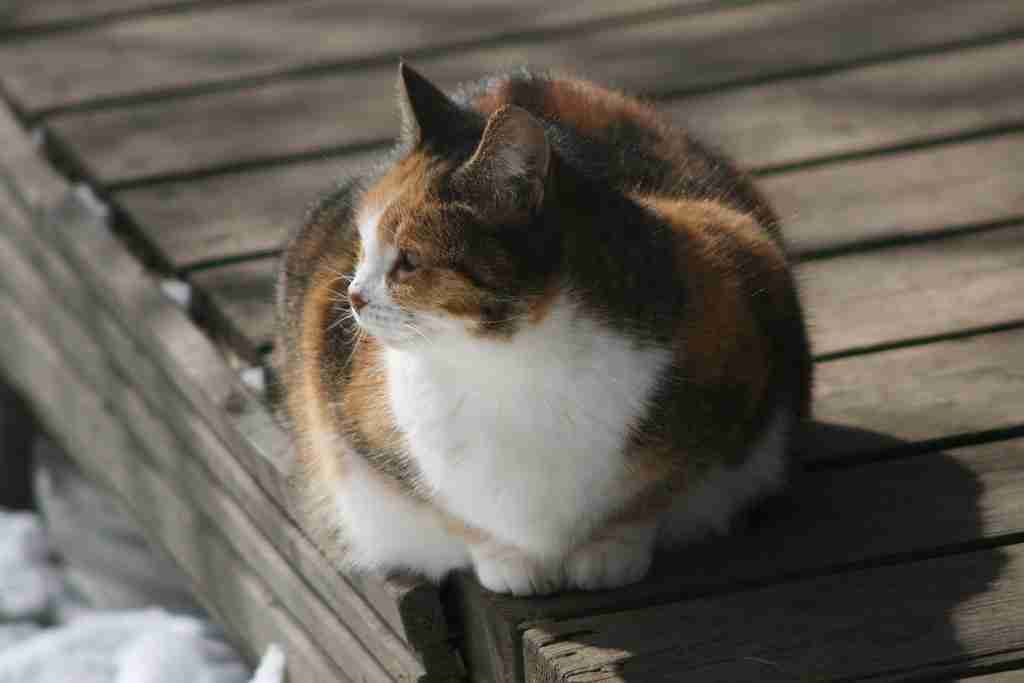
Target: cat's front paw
point(509, 571)
point(615, 559)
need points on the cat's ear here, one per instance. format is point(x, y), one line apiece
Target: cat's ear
point(511, 162)
point(427, 113)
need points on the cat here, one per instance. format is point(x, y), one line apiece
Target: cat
point(549, 333)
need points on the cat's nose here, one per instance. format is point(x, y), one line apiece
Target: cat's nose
point(356, 299)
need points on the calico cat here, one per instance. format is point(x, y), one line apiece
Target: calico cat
point(550, 332)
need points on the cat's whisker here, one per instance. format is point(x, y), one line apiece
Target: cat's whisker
point(417, 331)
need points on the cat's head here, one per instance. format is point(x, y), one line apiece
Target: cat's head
point(454, 237)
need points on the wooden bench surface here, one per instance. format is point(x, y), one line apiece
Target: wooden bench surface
point(890, 136)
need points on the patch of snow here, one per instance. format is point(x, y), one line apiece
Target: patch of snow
point(28, 579)
point(85, 645)
point(178, 291)
point(37, 136)
point(255, 378)
point(90, 199)
point(271, 668)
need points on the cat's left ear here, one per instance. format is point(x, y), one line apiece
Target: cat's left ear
point(428, 115)
point(511, 163)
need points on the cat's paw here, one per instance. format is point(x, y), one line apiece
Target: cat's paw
point(515, 573)
point(611, 561)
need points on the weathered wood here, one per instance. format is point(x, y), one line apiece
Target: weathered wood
point(114, 347)
point(152, 54)
point(945, 388)
point(307, 116)
point(866, 108)
point(934, 616)
point(243, 294)
point(102, 445)
point(103, 364)
point(920, 192)
point(847, 112)
point(905, 292)
point(411, 608)
point(1013, 676)
point(23, 15)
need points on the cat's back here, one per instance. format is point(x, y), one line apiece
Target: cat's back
point(622, 140)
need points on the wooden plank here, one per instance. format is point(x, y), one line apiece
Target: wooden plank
point(866, 108)
point(223, 216)
point(1013, 676)
point(243, 294)
point(934, 616)
point(305, 117)
point(153, 54)
point(899, 196)
point(348, 633)
point(914, 193)
point(873, 297)
point(31, 15)
point(100, 443)
point(945, 388)
point(115, 282)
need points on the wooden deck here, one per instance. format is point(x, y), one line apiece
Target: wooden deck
point(890, 135)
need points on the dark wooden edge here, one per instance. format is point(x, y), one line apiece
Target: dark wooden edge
point(406, 617)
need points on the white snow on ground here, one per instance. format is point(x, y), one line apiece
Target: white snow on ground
point(46, 636)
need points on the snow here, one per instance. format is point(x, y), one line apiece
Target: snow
point(178, 291)
point(255, 378)
point(28, 579)
point(47, 635)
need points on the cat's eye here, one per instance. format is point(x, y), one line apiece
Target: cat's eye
point(407, 262)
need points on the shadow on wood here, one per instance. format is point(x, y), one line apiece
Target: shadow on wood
point(17, 428)
point(809, 585)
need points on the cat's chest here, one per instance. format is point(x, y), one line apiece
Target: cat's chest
point(500, 425)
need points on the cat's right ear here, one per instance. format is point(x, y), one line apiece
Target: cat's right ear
point(427, 113)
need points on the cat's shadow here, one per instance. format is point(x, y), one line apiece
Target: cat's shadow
point(860, 566)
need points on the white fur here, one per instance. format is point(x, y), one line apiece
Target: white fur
point(524, 437)
point(386, 530)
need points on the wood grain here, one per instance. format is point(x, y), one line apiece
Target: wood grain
point(152, 54)
point(943, 388)
point(31, 14)
point(185, 365)
point(1001, 677)
point(905, 292)
point(343, 623)
point(914, 193)
point(933, 616)
point(700, 51)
